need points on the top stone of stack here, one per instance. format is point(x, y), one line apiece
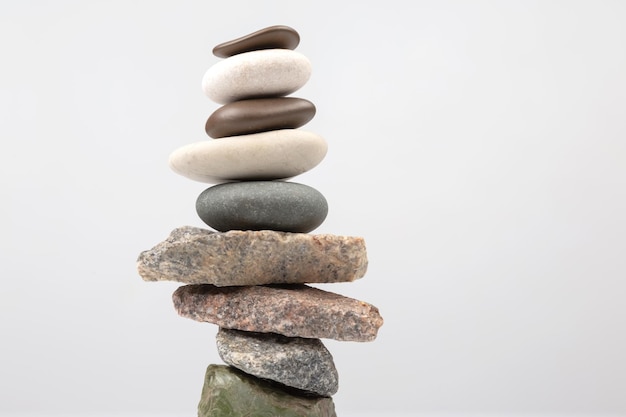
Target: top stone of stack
point(272, 37)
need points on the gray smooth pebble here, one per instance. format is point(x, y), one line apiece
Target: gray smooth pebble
point(262, 205)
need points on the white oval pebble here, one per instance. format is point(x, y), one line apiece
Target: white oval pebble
point(264, 73)
point(275, 154)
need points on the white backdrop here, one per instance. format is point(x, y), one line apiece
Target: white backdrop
point(479, 147)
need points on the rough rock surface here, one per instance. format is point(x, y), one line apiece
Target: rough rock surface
point(301, 363)
point(228, 392)
point(290, 310)
point(198, 256)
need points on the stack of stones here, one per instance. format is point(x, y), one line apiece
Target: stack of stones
point(248, 277)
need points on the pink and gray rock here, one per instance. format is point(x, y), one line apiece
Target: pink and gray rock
point(300, 363)
point(198, 256)
point(290, 310)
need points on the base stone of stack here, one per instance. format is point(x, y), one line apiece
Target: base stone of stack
point(300, 363)
point(228, 392)
point(192, 255)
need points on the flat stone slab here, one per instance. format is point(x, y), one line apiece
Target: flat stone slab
point(301, 363)
point(262, 205)
point(290, 310)
point(193, 255)
point(228, 392)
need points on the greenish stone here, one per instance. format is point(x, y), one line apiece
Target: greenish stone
point(228, 392)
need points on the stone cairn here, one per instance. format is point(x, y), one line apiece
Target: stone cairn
point(248, 277)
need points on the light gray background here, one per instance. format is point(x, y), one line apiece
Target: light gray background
point(479, 147)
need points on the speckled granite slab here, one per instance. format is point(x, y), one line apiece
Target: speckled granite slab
point(290, 310)
point(198, 256)
point(297, 362)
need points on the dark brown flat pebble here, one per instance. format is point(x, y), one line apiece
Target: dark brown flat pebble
point(259, 115)
point(272, 37)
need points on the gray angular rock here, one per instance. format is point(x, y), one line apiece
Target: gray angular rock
point(228, 392)
point(290, 310)
point(301, 363)
point(198, 256)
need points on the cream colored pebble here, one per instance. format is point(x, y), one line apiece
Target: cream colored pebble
point(264, 73)
point(275, 154)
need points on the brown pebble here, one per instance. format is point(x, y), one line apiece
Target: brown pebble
point(259, 115)
point(272, 37)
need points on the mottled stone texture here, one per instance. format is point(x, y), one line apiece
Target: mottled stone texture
point(301, 363)
point(198, 256)
point(228, 392)
point(290, 310)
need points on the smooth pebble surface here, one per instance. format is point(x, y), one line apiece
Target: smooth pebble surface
point(276, 154)
point(272, 37)
point(256, 74)
point(259, 115)
point(262, 205)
